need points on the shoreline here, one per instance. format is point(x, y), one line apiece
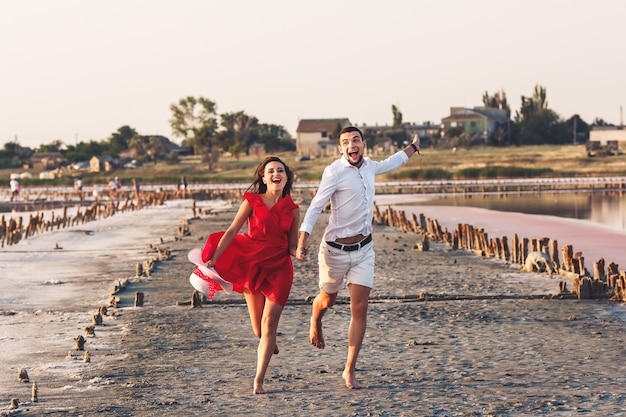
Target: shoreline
point(491, 354)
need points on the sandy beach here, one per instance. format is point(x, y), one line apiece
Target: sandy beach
point(449, 334)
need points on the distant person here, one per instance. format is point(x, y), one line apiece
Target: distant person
point(112, 187)
point(14, 185)
point(257, 263)
point(346, 253)
point(78, 187)
point(118, 184)
point(182, 186)
point(137, 190)
point(95, 192)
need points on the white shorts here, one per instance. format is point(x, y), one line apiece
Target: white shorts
point(335, 265)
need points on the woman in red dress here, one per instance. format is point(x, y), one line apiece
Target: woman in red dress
point(258, 263)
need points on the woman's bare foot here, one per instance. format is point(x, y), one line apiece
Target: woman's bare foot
point(315, 334)
point(258, 389)
point(350, 380)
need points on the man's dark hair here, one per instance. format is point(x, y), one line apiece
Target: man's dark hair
point(349, 129)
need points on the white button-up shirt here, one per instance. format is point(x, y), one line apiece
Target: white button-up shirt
point(351, 194)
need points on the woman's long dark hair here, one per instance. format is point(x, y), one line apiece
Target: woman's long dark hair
point(259, 187)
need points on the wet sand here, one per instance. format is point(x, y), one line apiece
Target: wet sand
point(483, 339)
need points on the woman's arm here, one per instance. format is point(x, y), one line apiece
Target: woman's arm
point(245, 210)
point(293, 232)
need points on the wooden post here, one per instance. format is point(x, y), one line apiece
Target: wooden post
point(568, 264)
point(554, 251)
point(584, 292)
point(524, 251)
point(579, 263)
point(79, 343)
point(138, 299)
point(506, 254)
point(22, 375)
point(515, 256)
point(598, 270)
point(196, 299)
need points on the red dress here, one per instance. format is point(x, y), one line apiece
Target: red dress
point(258, 260)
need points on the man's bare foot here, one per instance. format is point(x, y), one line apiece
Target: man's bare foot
point(315, 334)
point(350, 380)
point(258, 389)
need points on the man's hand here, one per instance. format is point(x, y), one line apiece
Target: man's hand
point(416, 141)
point(301, 253)
point(302, 248)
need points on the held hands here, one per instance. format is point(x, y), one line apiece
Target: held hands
point(301, 253)
point(302, 247)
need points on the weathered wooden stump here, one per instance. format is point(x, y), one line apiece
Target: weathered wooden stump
point(33, 396)
point(138, 299)
point(598, 270)
point(423, 245)
point(22, 375)
point(97, 319)
point(196, 299)
point(114, 301)
point(79, 342)
point(90, 331)
point(554, 253)
point(584, 289)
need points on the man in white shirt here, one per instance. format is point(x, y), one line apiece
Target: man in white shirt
point(346, 252)
point(15, 188)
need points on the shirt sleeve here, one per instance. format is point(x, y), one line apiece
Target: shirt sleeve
point(327, 187)
point(392, 163)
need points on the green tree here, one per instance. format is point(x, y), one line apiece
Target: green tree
point(194, 120)
point(598, 121)
point(118, 141)
point(397, 133)
point(83, 151)
point(275, 138)
point(238, 128)
point(497, 101)
point(11, 155)
point(54, 146)
point(397, 117)
point(138, 146)
point(537, 123)
point(501, 133)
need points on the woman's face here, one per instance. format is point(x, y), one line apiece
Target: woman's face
point(275, 176)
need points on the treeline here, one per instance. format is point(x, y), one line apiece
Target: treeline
point(194, 120)
point(533, 124)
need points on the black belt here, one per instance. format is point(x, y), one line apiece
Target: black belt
point(350, 248)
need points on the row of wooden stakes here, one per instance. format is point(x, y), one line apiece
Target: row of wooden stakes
point(542, 256)
point(141, 271)
point(13, 230)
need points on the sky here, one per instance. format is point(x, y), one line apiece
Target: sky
point(74, 70)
